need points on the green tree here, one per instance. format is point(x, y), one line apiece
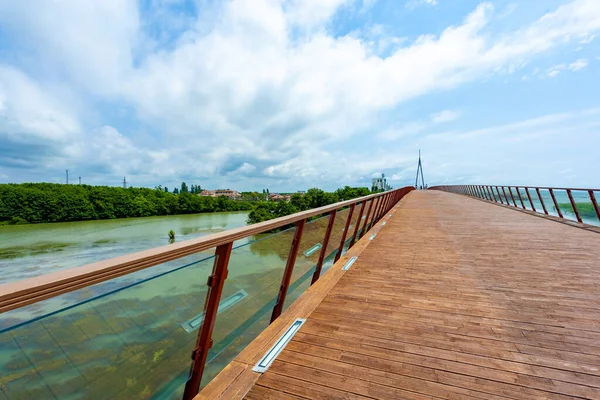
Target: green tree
point(299, 201)
point(184, 188)
point(46, 202)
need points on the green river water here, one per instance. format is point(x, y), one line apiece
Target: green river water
point(32, 250)
point(131, 337)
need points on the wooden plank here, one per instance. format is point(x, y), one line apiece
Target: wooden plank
point(215, 388)
point(454, 298)
point(264, 393)
point(306, 389)
point(301, 308)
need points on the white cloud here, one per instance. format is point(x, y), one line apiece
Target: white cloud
point(367, 5)
point(412, 4)
point(508, 10)
point(444, 116)
point(483, 154)
point(311, 12)
point(416, 127)
point(255, 83)
point(27, 111)
point(578, 64)
point(245, 169)
point(91, 44)
point(555, 70)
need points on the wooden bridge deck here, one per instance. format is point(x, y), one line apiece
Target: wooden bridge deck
point(455, 298)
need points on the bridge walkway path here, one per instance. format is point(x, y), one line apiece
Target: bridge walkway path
point(455, 298)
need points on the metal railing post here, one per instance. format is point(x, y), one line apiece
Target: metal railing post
point(555, 203)
point(511, 196)
point(595, 203)
point(376, 212)
point(480, 191)
point(322, 254)
point(492, 194)
point(520, 198)
point(499, 195)
point(289, 269)
point(367, 218)
point(376, 206)
point(358, 221)
point(574, 205)
point(348, 221)
point(541, 200)
point(529, 197)
point(215, 284)
point(384, 206)
point(381, 204)
point(505, 196)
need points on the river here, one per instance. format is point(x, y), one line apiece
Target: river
point(32, 250)
point(131, 337)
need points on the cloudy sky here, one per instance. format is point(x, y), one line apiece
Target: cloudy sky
point(290, 94)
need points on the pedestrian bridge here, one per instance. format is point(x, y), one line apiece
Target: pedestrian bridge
point(461, 292)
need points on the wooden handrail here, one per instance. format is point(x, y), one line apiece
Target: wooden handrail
point(32, 290)
point(521, 186)
point(476, 191)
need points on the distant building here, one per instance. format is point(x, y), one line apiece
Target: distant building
point(380, 183)
point(230, 194)
point(279, 197)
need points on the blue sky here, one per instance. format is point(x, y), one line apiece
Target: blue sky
point(291, 94)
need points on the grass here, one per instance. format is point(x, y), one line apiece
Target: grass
point(586, 210)
point(39, 248)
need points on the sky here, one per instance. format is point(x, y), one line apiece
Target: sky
point(292, 94)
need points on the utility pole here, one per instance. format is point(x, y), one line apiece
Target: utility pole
point(67, 177)
point(124, 183)
point(80, 180)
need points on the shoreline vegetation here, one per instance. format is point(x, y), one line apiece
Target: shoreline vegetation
point(33, 203)
point(586, 210)
point(313, 198)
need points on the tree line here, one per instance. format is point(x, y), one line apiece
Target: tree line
point(49, 202)
point(313, 198)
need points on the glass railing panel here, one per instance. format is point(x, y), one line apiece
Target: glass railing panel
point(365, 220)
point(562, 198)
point(306, 261)
point(336, 234)
point(546, 198)
point(134, 342)
point(255, 272)
point(524, 197)
point(354, 221)
point(584, 205)
point(588, 212)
